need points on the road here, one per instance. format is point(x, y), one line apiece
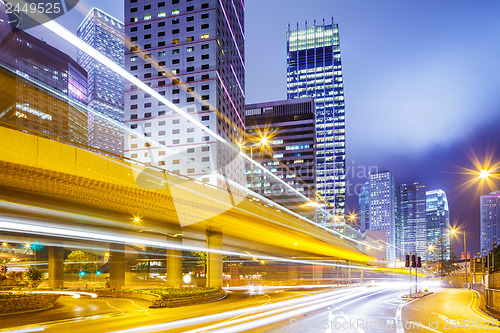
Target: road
point(362, 309)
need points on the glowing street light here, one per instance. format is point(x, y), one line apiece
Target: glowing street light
point(136, 219)
point(484, 174)
point(261, 141)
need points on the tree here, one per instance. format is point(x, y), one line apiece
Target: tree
point(85, 261)
point(34, 276)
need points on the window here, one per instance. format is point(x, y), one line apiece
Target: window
point(161, 34)
point(204, 5)
point(205, 26)
point(161, 4)
point(205, 118)
point(175, 11)
point(133, 1)
point(147, 115)
point(147, 17)
point(132, 97)
point(176, 141)
point(190, 39)
point(175, 41)
point(174, 71)
point(204, 56)
point(147, 75)
point(174, 2)
point(161, 53)
point(147, 7)
point(204, 16)
point(162, 14)
point(133, 68)
point(176, 101)
point(161, 113)
point(188, 29)
point(190, 18)
point(205, 87)
point(176, 121)
point(147, 46)
point(133, 39)
point(176, 162)
point(175, 31)
point(133, 155)
point(205, 159)
point(161, 83)
point(190, 130)
point(189, 9)
point(190, 89)
point(205, 77)
point(205, 36)
point(205, 108)
point(133, 58)
point(205, 148)
point(163, 94)
point(190, 150)
point(161, 63)
point(188, 59)
point(133, 116)
point(190, 99)
point(190, 170)
point(205, 66)
point(190, 140)
point(190, 109)
point(148, 36)
point(161, 44)
point(133, 29)
point(175, 51)
point(175, 91)
point(176, 21)
point(147, 56)
point(204, 46)
point(205, 97)
point(176, 131)
point(161, 123)
point(161, 133)
point(147, 65)
point(147, 105)
point(147, 26)
point(133, 126)
point(161, 24)
point(190, 79)
point(190, 69)
point(175, 61)
point(134, 19)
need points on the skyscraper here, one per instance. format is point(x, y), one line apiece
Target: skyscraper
point(364, 206)
point(38, 84)
point(438, 225)
point(412, 220)
point(290, 155)
point(383, 207)
point(191, 52)
point(490, 220)
point(105, 87)
point(314, 69)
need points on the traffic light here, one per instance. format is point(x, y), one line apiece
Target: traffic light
point(413, 260)
point(82, 273)
point(407, 261)
point(419, 262)
point(98, 273)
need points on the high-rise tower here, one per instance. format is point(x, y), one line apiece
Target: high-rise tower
point(490, 221)
point(105, 87)
point(438, 225)
point(314, 69)
point(191, 52)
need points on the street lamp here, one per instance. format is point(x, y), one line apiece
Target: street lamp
point(261, 141)
point(454, 231)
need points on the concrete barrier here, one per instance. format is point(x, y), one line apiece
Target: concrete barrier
point(25, 303)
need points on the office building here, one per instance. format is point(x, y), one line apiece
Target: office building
point(383, 207)
point(38, 84)
point(105, 87)
point(412, 220)
point(290, 154)
point(490, 221)
point(314, 69)
point(364, 206)
point(438, 225)
point(192, 53)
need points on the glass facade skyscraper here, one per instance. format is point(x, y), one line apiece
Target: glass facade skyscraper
point(490, 220)
point(105, 87)
point(364, 206)
point(411, 223)
point(438, 225)
point(314, 69)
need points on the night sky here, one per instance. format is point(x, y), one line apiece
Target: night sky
point(421, 83)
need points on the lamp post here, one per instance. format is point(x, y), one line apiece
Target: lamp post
point(453, 232)
point(262, 142)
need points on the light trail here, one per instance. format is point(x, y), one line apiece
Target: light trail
point(337, 295)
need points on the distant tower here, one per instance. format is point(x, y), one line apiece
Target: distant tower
point(314, 70)
point(412, 219)
point(105, 87)
point(438, 225)
point(364, 206)
point(490, 220)
point(383, 207)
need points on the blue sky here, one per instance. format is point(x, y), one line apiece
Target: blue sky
point(421, 81)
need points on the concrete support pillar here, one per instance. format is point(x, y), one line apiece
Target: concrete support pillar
point(174, 264)
point(116, 266)
point(317, 274)
point(56, 267)
point(214, 260)
point(362, 277)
